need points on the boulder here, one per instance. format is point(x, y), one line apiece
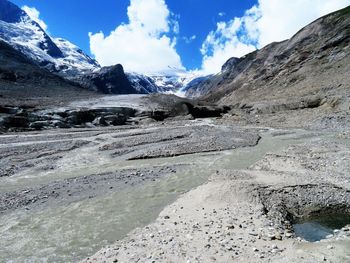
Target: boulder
point(8, 110)
point(208, 111)
point(146, 120)
point(16, 122)
point(115, 120)
point(39, 125)
point(181, 109)
point(60, 124)
point(80, 117)
point(100, 121)
point(159, 115)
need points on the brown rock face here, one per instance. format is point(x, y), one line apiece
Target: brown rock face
point(315, 61)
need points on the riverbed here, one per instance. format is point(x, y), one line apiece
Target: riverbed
point(70, 227)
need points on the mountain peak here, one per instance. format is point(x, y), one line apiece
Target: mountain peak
point(25, 35)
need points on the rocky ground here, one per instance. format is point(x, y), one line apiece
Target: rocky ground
point(242, 215)
point(79, 170)
point(67, 191)
point(53, 150)
point(246, 216)
point(59, 168)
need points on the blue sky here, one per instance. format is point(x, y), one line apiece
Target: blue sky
point(189, 34)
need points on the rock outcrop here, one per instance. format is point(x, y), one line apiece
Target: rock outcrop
point(108, 80)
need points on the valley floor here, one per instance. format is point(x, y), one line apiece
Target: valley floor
point(231, 190)
point(242, 215)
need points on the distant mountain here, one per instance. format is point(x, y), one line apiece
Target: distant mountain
point(63, 58)
point(23, 83)
point(107, 80)
point(314, 62)
point(176, 82)
point(190, 91)
point(57, 55)
point(113, 80)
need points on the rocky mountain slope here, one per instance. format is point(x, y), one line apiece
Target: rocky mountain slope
point(24, 83)
point(113, 80)
point(314, 62)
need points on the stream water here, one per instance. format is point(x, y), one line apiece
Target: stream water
point(72, 232)
point(318, 228)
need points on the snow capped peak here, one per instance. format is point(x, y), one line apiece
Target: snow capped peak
point(74, 59)
point(56, 54)
point(175, 82)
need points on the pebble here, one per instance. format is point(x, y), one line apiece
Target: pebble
point(278, 236)
point(288, 235)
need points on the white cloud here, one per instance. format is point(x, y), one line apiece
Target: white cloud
point(282, 18)
point(266, 22)
point(190, 39)
point(222, 14)
point(228, 40)
point(34, 14)
point(143, 44)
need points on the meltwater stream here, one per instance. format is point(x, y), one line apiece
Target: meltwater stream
point(70, 233)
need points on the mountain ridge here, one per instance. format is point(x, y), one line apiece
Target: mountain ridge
point(26, 35)
point(292, 68)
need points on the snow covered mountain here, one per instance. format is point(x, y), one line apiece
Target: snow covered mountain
point(56, 54)
point(172, 82)
point(143, 84)
point(175, 82)
point(67, 60)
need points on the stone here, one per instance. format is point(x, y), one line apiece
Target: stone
point(288, 235)
point(60, 124)
point(80, 116)
point(100, 121)
point(115, 120)
point(208, 111)
point(38, 125)
point(8, 110)
point(278, 236)
point(16, 121)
